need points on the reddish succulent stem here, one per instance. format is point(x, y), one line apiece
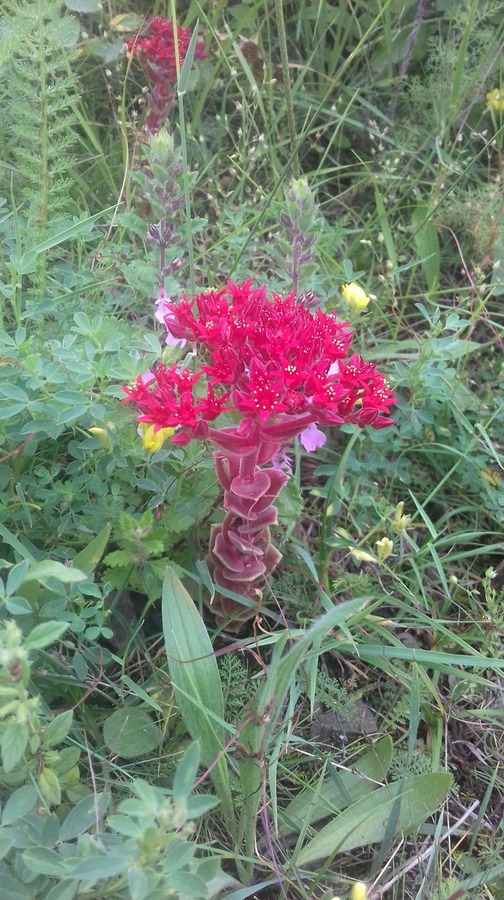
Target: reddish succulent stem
point(241, 556)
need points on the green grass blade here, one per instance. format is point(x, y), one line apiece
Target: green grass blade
point(427, 243)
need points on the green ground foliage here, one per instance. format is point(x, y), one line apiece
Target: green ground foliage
point(352, 731)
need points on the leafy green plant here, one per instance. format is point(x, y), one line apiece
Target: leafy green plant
point(140, 849)
point(30, 734)
point(397, 113)
point(41, 123)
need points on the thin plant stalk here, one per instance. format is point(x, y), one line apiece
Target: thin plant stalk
point(183, 150)
point(282, 38)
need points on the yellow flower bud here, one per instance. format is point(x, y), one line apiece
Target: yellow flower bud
point(355, 296)
point(359, 891)
point(154, 440)
point(495, 100)
point(102, 435)
point(384, 548)
point(400, 522)
point(361, 555)
point(491, 475)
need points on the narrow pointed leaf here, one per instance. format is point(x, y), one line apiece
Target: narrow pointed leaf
point(196, 681)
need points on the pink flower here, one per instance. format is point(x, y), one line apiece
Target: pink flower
point(147, 378)
point(281, 461)
point(312, 438)
point(162, 315)
point(161, 302)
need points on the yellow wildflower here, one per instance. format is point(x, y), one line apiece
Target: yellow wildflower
point(154, 440)
point(359, 891)
point(384, 548)
point(355, 296)
point(495, 99)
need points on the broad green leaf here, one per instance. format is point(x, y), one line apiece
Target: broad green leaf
point(130, 732)
point(65, 890)
point(16, 577)
point(199, 804)
point(18, 606)
point(50, 568)
point(289, 504)
point(82, 816)
point(19, 803)
point(334, 794)
point(88, 559)
point(186, 884)
point(96, 868)
point(14, 740)
point(80, 666)
point(178, 854)
point(13, 392)
point(196, 681)
point(365, 822)
point(45, 634)
point(5, 845)
point(137, 883)
point(425, 236)
point(7, 412)
point(58, 729)
point(44, 861)
point(12, 889)
point(67, 759)
point(186, 772)
point(50, 787)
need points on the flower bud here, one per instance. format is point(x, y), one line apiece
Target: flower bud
point(162, 145)
point(384, 548)
point(300, 193)
point(102, 435)
point(361, 555)
point(400, 522)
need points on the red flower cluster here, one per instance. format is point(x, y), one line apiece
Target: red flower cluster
point(282, 368)
point(154, 49)
point(278, 364)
